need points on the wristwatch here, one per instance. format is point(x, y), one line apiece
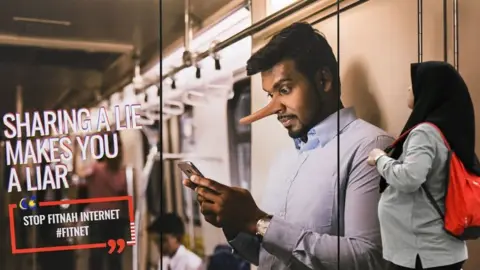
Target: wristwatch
point(262, 225)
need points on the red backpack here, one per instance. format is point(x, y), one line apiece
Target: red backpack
point(462, 198)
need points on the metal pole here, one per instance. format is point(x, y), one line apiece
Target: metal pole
point(19, 101)
point(455, 34)
point(65, 44)
point(253, 29)
point(131, 192)
point(420, 30)
point(188, 29)
point(33, 231)
point(445, 32)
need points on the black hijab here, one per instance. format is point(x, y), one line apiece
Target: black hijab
point(442, 98)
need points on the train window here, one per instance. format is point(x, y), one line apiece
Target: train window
point(187, 130)
point(240, 135)
point(242, 108)
point(276, 5)
point(187, 144)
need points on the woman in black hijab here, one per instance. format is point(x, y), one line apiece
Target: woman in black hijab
point(412, 230)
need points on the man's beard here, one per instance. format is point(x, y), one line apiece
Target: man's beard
point(305, 128)
point(302, 132)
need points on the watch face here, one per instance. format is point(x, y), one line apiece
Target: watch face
point(262, 225)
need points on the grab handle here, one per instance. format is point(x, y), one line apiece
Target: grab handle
point(194, 98)
point(173, 107)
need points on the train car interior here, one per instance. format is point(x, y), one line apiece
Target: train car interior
point(184, 63)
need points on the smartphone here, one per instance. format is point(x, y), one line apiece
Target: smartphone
point(189, 169)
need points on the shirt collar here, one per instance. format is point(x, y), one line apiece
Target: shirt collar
point(178, 256)
point(326, 130)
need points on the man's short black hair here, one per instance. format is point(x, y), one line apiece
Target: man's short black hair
point(301, 43)
point(169, 223)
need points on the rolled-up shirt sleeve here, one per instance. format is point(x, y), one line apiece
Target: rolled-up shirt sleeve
point(419, 151)
point(360, 246)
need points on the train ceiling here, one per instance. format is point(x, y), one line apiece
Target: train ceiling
point(44, 46)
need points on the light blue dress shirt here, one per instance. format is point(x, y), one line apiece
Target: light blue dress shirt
point(302, 195)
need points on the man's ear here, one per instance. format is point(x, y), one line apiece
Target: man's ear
point(323, 79)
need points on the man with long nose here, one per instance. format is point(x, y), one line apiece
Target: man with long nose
point(306, 212)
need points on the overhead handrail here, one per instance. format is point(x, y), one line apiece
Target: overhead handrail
point(181, 156)
point(253, 29)
point(173, 107)
point(194, 98)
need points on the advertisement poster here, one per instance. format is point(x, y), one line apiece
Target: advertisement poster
point(239, 135)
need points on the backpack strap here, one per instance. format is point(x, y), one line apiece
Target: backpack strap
point(429, 195)
point(401, 137)
point(432, 201)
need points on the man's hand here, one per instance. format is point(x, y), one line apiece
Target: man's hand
point(231, 208)
point(374, 155)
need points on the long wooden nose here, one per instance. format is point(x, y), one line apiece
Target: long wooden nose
point(271, 108)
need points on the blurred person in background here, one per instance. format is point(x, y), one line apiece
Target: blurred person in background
point(107, 178)
point(223, 258)
point(413, 236)
point(168, 231)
